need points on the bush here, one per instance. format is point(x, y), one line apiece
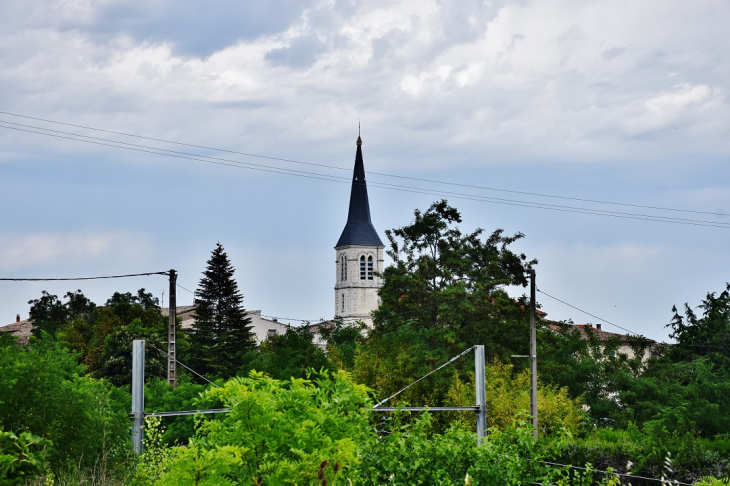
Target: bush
point(21, 457)
point(278, 432)
point(43, 390)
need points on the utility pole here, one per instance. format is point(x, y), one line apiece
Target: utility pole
point(137, 394)
point(481, 394)
point(533, 356)
point(171, 333)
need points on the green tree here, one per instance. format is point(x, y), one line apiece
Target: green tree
point(221, 335)
point(278, 432)
point(116, 357)
point(48, 313)
point(43, 390)
point(288, 355)
point(444, 293)
point(706, 335)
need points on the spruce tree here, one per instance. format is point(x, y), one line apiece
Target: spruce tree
point(221, 333)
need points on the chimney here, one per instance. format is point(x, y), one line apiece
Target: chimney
point(17, 318)
point(598, 326)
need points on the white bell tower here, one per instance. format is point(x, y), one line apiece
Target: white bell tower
point(359, 255)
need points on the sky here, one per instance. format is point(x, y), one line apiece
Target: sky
point(519, 105)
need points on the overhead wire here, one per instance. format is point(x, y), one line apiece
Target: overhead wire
point(346, 180)
point(187, 367)
point(81, 278)
point(588, 313)
point(280, 159)
point(424, 377)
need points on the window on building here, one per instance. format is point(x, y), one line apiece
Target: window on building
point(362, 267)
point(343, 268)
point(370, 268)
point(272, 332)
point(343, 302)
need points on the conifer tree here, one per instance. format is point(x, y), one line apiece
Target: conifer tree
point(221, 333)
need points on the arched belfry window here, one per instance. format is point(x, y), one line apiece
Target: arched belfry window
point(362, 267)
point(370, 268)
point(343, 268)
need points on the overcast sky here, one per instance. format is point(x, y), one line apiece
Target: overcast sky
point(619, 101)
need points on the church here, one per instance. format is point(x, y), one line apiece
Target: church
point(359, 254)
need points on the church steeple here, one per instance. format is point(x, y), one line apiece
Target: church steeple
point(359, 229)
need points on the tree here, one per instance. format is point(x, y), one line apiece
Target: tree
point(443, 294)
point(43, 390)
point(706, 335)
point(221, 334)
point(49, 313)
point(289, 355)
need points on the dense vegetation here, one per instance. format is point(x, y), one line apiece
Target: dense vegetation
point(303, 416)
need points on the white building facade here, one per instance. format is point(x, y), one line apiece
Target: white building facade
point(359, 255)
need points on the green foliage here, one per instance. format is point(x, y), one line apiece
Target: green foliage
point(159, 396)
point(706, 335)
point(415, 454)
point(43, 390)
point(508, 397)
point(442, 295)
point(647, 448)
point(342, 341)
point(221, 335)
point(153, 463)
point(297, 432)
point(116, 356)
point(21, 457)
point(288, 355)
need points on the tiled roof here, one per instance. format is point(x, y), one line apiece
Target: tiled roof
point(20, 330)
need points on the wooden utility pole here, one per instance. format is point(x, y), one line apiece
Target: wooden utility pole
point(171, 333)
point(533, 356)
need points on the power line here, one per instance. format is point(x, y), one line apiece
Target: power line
point(184, 288)
point(592, 315)
point(424, 377)
point(327, 177)
point(187, 367)
point(472, 186)
point(673, 481)
point(81, 278)
point(377, 184)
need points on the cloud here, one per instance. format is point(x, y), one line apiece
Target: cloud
point(51, 250)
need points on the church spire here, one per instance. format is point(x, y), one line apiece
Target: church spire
point(359, 229)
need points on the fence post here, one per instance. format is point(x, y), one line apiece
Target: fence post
point(481, 393)
point(137, 394)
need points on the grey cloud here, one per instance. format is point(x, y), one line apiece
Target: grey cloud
point(195, 28)
point(609, 54)
point(301, 52)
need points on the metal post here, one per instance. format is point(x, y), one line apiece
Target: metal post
point(171, 333)
point(137, 394)
point(533, 356)
point(481, 393)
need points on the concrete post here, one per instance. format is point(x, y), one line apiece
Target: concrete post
point(137, 394)
point(481, 393)
point(533, 356)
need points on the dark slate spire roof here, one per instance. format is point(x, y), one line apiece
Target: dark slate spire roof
point(359, 229)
